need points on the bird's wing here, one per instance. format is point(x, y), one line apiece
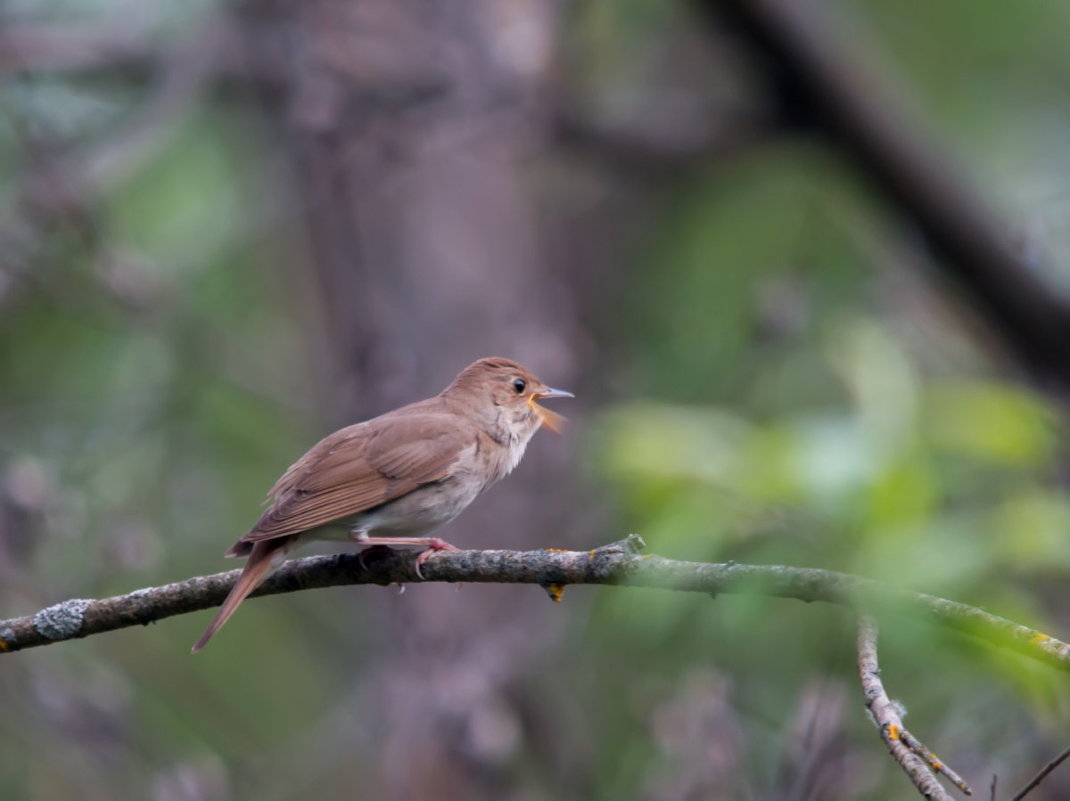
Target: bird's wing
point(359, 468)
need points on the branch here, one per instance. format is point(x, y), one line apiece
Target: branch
point(35, 48)
point(617, 563)
point(1036, 780)
point(915, 759)
point(820, 80)
point(637, 151)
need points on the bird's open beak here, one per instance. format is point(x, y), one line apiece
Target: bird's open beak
point(553, 393)
point(552, 420)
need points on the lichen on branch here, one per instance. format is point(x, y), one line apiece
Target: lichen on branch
point(619, 563)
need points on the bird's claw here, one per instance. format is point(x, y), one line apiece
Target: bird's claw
point(433, 544)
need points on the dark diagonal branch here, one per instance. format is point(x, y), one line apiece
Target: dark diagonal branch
point(1041, 775)
point(917, 761)
point(821, 81)
point(617, 563)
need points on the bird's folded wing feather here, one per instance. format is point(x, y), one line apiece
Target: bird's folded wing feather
point(359, 468)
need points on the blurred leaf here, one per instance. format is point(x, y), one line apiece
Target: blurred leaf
point(994, 423)
point(1030, 531)
point(647, 441)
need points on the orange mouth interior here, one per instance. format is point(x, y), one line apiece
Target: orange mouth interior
point(552, 420)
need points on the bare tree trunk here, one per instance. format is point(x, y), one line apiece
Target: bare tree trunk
point(408, 121)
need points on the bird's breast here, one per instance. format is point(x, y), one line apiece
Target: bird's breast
point(420, 511)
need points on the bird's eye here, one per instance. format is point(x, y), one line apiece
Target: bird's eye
point(520, 385)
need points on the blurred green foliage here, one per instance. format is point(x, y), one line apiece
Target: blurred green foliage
point(793, 393)
point(797, 400)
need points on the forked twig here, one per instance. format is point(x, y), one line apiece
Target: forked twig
point(917, 761)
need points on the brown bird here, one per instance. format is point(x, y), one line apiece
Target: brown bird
point(393, 479)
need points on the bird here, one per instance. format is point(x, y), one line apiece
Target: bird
point(393, 479)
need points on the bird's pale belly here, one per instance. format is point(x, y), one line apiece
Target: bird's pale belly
point(413, 515)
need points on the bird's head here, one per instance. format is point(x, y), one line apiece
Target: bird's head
point(501, 393)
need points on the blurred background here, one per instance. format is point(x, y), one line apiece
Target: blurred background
point(227, 229)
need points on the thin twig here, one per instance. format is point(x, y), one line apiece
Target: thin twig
point(933, 761)
point(1036, 780)
point(617, 563)
point(916, 760)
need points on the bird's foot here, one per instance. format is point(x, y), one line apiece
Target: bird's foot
point(433, 544)
point(429, 544)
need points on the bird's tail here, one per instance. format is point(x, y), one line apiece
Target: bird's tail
point(264, 557)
